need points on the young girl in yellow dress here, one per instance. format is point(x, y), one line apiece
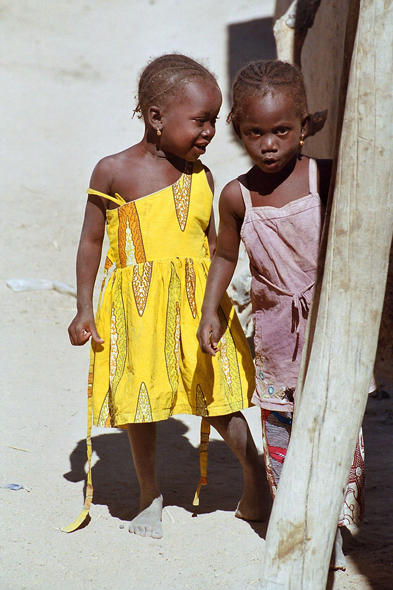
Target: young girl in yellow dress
point(155, 199)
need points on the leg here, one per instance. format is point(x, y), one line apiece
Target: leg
point(352, 511)
point(143, 447)
point(276, 432)
point(337, 560)
point(255, 502)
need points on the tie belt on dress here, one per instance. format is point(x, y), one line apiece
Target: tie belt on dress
point(300, 301)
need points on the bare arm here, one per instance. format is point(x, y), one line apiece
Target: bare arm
point(222, 267)
point(88, 261)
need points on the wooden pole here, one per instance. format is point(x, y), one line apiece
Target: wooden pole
point(290, 30)
point(342, 332)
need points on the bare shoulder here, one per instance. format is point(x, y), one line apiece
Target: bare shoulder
point(110, 167)
point(231, 200)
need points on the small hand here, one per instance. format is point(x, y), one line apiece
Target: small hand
point(209, 333)
point(81, 328)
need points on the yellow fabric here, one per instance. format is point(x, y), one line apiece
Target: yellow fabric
point(203, 452)
point(116, 199)
point(150, 366)
point(89, 484)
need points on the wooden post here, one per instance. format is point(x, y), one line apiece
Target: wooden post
point(342, 332)
point(291, 29)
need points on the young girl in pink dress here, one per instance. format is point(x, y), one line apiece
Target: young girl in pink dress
point(277, 209)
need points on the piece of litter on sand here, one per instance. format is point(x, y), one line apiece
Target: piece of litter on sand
point(17, 448)
point(15, 487)
point(64, 288)
point(169, 514)
point(30, 284)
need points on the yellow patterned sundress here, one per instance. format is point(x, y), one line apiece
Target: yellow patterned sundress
point(150, 366)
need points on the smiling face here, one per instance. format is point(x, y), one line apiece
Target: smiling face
point(187, 123)
point(270, 129)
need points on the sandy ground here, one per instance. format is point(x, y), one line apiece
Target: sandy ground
point(65, 73)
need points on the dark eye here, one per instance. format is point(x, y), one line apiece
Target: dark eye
point(282, 130)
point(256, 131)
point(200, 120)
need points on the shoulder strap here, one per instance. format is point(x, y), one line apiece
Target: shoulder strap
point(245, 192)
point(313, 176)
point(116, 199)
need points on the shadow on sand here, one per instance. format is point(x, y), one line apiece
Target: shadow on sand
point(371, 548)
point(116, 485)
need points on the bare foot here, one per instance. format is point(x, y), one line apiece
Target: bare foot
point(148, 521)
point(337, 560)
point(256, 502)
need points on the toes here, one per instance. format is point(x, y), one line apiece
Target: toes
point(138, 529)
point(148, 522)
point(145, 531)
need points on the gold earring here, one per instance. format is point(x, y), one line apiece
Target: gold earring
point(301, 142)
point(158, 132)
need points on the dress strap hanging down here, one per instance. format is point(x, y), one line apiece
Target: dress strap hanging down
point(203, 451)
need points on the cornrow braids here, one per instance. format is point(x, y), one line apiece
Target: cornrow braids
point(259, 78)
point(164, 77)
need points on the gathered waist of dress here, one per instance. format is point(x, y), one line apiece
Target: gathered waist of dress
point(301, 299)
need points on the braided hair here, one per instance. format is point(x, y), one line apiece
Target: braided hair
point(165, 77)
point(259, 78)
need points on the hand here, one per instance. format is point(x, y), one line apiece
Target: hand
point(82, 327)
point(209, 333)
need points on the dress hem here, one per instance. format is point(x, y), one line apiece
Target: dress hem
point(123, 419)
point(271, 405)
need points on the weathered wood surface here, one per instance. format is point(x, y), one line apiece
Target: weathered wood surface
point(342, 337)
point(291, 29)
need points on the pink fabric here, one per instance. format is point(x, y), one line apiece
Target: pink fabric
point(282, 245)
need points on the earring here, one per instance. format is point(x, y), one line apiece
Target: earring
point(301, 142)
point(158, 132)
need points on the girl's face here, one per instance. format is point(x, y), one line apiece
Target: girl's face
point(188, 123)
point(270, 130)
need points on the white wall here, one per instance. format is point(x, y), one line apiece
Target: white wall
point(69, 77)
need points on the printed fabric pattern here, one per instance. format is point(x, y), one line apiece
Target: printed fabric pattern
point(150, 366)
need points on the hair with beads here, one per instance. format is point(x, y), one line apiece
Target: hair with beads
point(259, 78)
point(165, 77)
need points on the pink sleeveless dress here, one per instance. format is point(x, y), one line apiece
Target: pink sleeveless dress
point(282, 245)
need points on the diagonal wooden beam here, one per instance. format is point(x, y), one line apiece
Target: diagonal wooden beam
point(291, 29)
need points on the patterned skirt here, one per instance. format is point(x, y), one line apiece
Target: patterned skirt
point(276, 433)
